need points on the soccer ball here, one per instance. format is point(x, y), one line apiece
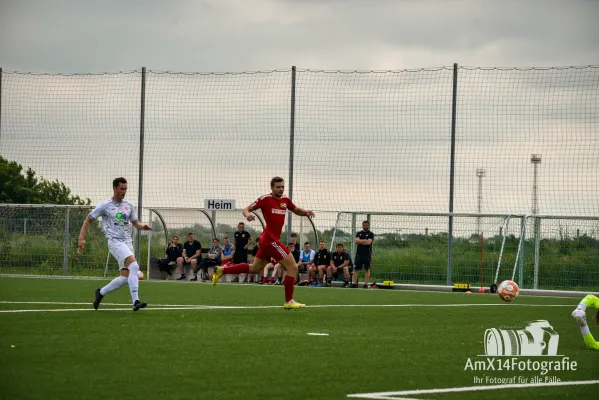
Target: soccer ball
point(140, 275)
point(508, 290)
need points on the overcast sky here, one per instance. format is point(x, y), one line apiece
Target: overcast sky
point(242, 35)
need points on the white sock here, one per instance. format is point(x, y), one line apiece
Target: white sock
point(133, 281)
point(582, 307)
point(585, 330)
point(113, 285)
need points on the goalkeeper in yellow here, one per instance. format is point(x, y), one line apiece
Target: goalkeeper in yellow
point(580, 316)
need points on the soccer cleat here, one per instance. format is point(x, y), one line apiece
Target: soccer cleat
point(278, 282)
point(138, 305)
point(579, 316)
point(218, 272)
point(236, 280)
point(195, 278)
point(181, 278)
point(98, 299)
point(365, 286)
point(353, 286)
point(319, 285)
point(293, 305)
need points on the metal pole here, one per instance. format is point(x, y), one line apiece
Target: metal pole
point(65, 263)
point(0, 108)
point(214, 223)
point(521, 259)
point(537, 251)
point(141, 157)
point(452, 175)
point(291, 149)
point(149, 244)
point(353, 235)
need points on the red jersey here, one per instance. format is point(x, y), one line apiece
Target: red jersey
point(274, 211)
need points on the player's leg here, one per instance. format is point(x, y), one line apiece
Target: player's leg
point(121, 252)
point(366, 276)
point(321, 271)
point(133, 281)
point(289, 265)
point(346, 276)
point(330, 273)
point(357, 267)
point(579, 314)
point(181, 267)
point(277, 273)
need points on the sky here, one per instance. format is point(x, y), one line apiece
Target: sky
point(241, 35)
point(385, 135)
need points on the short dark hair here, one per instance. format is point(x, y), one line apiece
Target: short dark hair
point(241, 223)
point(290, 245)
point(176, 237)
point(189, 233)
point(276, 179)
point(294, 235)
point(117, 181)
point(339, 245)
point(306, 243)
point(366, 222)
point(216, 240)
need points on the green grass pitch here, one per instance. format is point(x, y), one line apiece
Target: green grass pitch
point(187, 344)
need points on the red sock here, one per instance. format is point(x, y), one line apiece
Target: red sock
point(242, 268)
point(289, 284)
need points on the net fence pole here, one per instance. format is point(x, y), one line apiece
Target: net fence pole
point(141, 158)
point(452, 174)
point(291, 148)
point(537, 235)
point(0, 108)
point(66, 241)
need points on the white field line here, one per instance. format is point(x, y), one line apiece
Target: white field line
point(208, 307)
point(391, 395)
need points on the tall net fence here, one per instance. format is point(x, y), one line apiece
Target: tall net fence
point(507, 115)
point(80, 129)
point(371, 141)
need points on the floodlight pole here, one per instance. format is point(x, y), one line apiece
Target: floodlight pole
point(535, 159)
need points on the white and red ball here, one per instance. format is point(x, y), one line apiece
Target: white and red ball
point(140, 275)
point(508, 290)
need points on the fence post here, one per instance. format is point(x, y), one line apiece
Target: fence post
point(537, 251)
point(150, 244)
point(0, 108)
point(452, 176)
point(521, 259)
point(353, 234)
point(65, 264)
point(291, 149)
point(142, 118)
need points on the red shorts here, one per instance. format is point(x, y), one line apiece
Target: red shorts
point(271, 248)
point(226, 263)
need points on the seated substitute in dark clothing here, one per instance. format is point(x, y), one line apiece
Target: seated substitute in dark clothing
point(192, 254)
point(174, 255)
point(212, 259)
point(322, 261)
point(340, 261)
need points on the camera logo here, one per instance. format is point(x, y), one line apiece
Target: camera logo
point(536, 339)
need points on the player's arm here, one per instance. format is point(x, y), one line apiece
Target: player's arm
point(83, 232)
point(345, 264)
point(197, 254)
point(140, 226)
point(247, 212)
point(93, 215)
point(250, 241)
point(303, 213)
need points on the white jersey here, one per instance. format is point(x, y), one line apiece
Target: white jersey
point(116, 219)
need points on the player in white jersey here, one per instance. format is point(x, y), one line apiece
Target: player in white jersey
point(117, 215)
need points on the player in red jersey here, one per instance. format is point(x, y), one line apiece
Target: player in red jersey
point(274, 208)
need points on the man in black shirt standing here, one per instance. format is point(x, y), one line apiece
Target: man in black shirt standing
point(241, 241)
point(364, 240)
point(340, 261)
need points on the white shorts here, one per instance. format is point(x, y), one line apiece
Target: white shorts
point(120, 251)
